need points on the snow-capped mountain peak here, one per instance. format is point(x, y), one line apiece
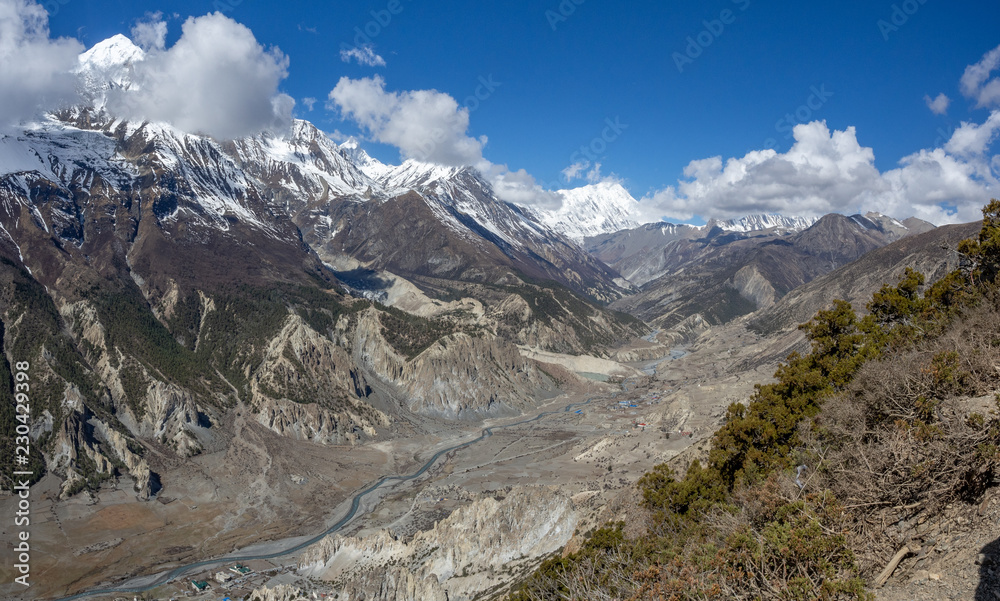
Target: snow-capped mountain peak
point(756, 223)
point(592, 210)
point(115, 51)
point(367, 164)
point(414, 174)
point(107, 66)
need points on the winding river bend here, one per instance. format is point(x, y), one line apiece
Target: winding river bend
point(350, 515)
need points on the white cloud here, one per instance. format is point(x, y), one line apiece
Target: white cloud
point(216, 80)
point(150, 34)
point(365, 55)
point(580, 171)
point(823, 172)
point(426, 125)
point(430, 126)
point(34, 69)
point(976, 81)
point(826, 172)
point(594, 175)
point(519, 187)
point(309, 102)
point(573, 171)
point(928, 179)
point(972, 139)
point(939, 105)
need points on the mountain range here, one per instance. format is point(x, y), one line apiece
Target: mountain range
point(157, 279)
point(172, 291)
point(723, 270)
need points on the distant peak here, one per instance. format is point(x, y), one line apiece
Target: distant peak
point(114, 51)
point(753, 223)
point(350, 144)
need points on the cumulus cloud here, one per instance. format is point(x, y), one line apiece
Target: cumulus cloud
point(938, 187)
point(826, 172)
point(971, 139)
point(520, 187)
point(821, 173)
point(977, 81)
point(215, 80)
point(430, 126)
point(34, 69)
point(426, 125)
point(939, 105)
point(150, 33)
point(365, 55)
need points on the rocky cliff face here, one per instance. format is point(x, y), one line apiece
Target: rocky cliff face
point(323, 387)
point(475, 549)
point(458, 376)
point(754, 287)
point(281, 592)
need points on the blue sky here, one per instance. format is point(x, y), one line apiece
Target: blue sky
point(565, 69)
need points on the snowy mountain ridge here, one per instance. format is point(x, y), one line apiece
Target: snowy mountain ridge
point(755, 223)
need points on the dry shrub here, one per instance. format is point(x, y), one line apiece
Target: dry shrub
point(904, 440)
point(769, 542)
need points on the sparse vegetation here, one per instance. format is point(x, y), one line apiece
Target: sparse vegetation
point(409, 334)
point(878, 415)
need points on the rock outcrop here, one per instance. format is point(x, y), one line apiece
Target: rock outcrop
point(459, 376)
point(475, 549)
point(754, 287)
point(321, 389)
point(281, 592)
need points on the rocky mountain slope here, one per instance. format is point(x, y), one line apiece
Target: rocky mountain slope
point(872, 450)
point(644, 253)
point(476, 550)
point(714, 274)
point(932, 253)
point(157, 281)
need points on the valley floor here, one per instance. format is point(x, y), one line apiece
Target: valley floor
point(263, 491)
